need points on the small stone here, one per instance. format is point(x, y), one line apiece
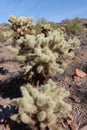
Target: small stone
point(69, 122)
point(80, 73)
point(7, 127)
point(63, 124)
point(70, 117)
point(74, 126)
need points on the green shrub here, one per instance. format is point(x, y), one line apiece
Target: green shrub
point(37, 28)
point(53, 25)
point(42, 21)
point(41, 106)
point(74, 27)
point(1, 36)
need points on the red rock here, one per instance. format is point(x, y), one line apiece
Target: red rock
point(74, 126)
point(7, 127)
point(69, 122)
point(80, 73)
point(70, 117)
point(63, 124)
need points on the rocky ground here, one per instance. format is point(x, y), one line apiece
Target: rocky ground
point(74, 79)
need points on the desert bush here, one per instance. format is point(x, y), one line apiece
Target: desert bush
point(1, 36)
point(45, 28)
point(42, 28)
point(53, 25)
point(43, 55)
point(42, 106)
point(8, 36)
point(21, 26)
point(74, 27)
point(40, 55)
point(37, 28)
point(42, 21)
point(40, 24)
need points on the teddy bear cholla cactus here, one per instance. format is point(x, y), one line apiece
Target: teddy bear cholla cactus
point(39, 54)
point(21, 26)
point(41, 106)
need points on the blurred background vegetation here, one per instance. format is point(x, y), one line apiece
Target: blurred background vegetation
point(72, 27)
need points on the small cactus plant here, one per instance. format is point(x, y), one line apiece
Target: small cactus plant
point(21, 26)
point(41, 106)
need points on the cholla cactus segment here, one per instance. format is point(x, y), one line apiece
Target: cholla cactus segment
point(22, 20)
point(45, 28)
point(21, 26)
point(41, 106)
point(74, 43)
point(13, 50)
